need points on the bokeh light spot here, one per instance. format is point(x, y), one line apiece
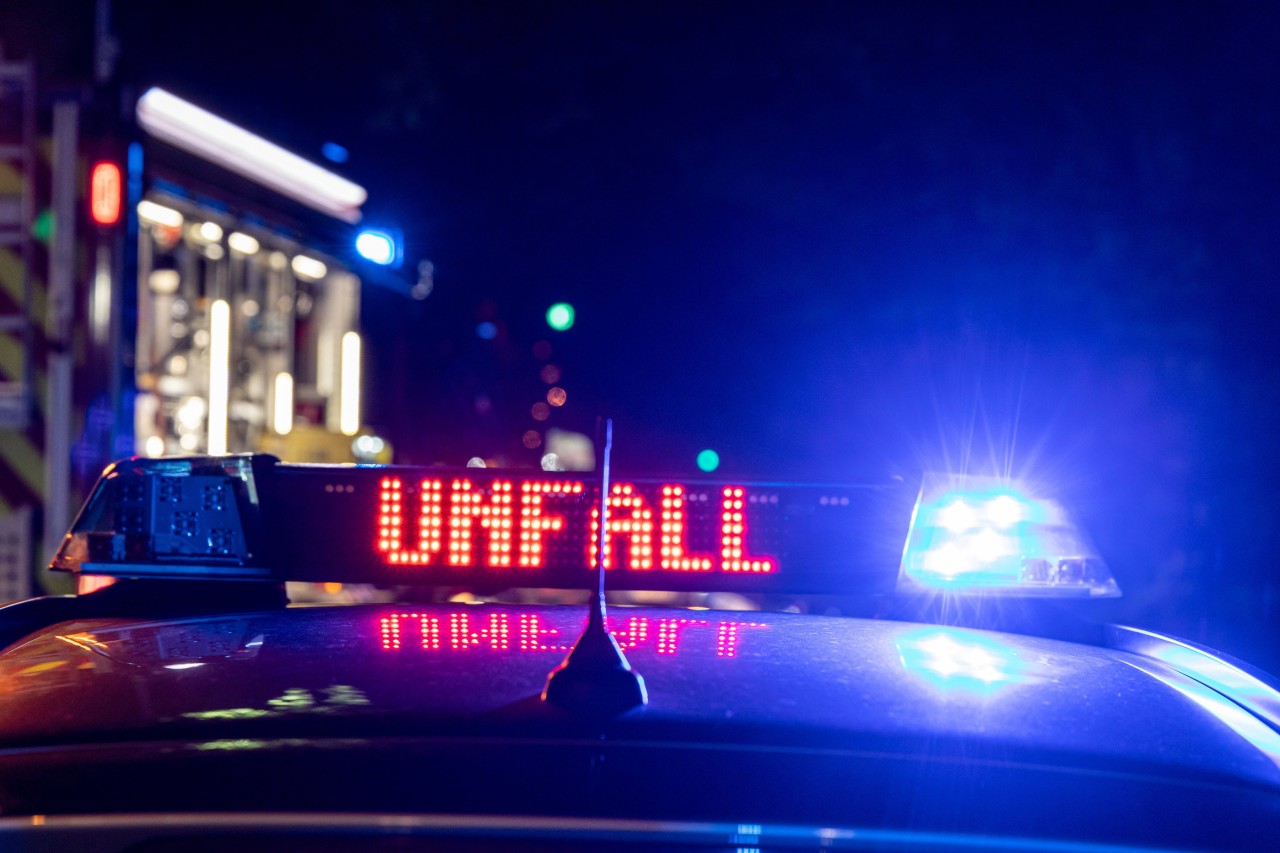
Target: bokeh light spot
point(556, 396)
point(550, 374)
point(560, 316)
point(376, 246)
point(541, 411)
point(486, 331)
point(532, 439)
point(335, 153)
point(708, 460)
point(42, 226)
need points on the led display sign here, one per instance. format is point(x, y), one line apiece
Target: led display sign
point(493, 529)
point(484, 529)
point(529, 524)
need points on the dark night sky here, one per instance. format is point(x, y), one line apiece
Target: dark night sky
point(827, 239)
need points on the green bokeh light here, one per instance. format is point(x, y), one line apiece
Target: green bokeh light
point(560, 316)
point(708, 460)
point(42, 226)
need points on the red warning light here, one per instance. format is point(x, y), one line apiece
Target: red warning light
point(105, 191)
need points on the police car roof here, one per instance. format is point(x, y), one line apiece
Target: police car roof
point(909, 733)
point(887, 699)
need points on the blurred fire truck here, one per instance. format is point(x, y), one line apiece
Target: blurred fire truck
point(172, 283)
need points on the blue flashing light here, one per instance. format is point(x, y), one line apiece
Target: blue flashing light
point(335, 153)
point(955, 660)
point(174, 518)
point(377, 246)
point(708, 460)
point(983, 536)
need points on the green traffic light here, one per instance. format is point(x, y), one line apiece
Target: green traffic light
point(560, 316)
point(708, 460)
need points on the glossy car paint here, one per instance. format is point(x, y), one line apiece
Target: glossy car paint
point(751, 716)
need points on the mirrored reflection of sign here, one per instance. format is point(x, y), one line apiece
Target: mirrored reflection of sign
point(532, 633)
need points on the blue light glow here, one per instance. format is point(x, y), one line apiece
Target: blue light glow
point(994, 537)
point(957, 660)
point(376, 246)
point(486, 331)
point(976, 536)
point(1257, 733)
point(1212, 671)
point(334, 153)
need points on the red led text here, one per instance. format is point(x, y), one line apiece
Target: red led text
point(455, 522)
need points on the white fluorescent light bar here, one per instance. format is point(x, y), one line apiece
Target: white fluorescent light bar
point(282, 416)
point(309, 268)
point(242, 243)
point(219, 374)
point(183, 124)
point(158, 214)
point(349, 390)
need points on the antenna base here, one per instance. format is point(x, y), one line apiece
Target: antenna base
point(595, 678)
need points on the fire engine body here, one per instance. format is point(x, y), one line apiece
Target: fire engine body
point(202, 300)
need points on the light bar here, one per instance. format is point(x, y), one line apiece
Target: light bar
point(197, 131)
point(158, 214)
point(984, 535)
point(308, 267)
point(242, 243)
point(252, 516)
point(489, 529)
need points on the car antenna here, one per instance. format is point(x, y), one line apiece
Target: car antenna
point(595, 678)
